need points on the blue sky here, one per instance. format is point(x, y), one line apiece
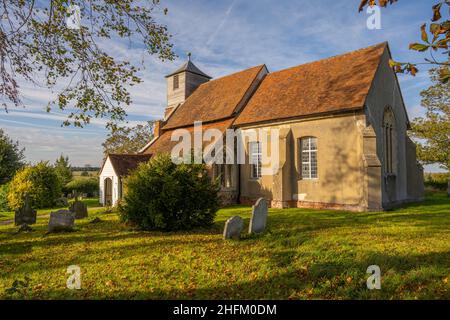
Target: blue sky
point(226, 36)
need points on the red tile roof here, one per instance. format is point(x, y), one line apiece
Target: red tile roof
point(335, 84)
point(124, 163)
point(164, 144)
point(214, 100)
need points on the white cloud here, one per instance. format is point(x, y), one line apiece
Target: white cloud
point(224, 37)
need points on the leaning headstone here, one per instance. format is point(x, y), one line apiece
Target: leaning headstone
point(259, 217)
point(233, 228)
point(80, 209)
point(62, 220)
point(26, 214)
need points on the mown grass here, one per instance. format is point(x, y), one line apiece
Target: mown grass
point(305, 254)
point(91, 203)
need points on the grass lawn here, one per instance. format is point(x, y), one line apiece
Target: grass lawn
point(91, 203)
point(305, 254)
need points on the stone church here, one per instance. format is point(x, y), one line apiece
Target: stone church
point(342, 124)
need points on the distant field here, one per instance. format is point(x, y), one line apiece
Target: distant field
point(78, 174)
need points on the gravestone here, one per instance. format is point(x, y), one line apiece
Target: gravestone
point(62, 220)
point(26, 214)
point(233, 228)
point(448, 188)
point(79, 209)
point(258, 220)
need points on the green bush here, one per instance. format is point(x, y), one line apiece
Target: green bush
point(438, 181)
point(40, 182)
point(161, 195)
point(88, 186)
point(4, 197)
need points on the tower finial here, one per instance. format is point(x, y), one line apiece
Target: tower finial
point(189, 54)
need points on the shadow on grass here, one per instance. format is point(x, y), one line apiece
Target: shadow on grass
point(328, 280)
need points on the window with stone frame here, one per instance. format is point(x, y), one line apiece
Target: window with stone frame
point(308, 158)
point(255, 159)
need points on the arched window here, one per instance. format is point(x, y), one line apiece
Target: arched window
point(390, 146)
point(308, 157)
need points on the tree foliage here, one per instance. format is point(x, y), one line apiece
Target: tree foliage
point(435, 38)
point(161, 195)
point(4, 189)
point(128, 139)
point(63, 170)
point(35, 43)
point(11, 157)
point(40, 182)
point(88, 186)
point(433, 130)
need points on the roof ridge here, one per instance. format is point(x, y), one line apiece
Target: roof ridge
point(333, 84)
point(125, 154)
point(189, 66)
point(385, 43)
point(234, 73)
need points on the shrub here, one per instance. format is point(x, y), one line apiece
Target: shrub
point(88, 186)
point(161, 195)
point(438, 181)
point(4, 197)
point(40, 182)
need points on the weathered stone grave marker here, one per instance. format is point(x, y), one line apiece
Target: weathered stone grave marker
point(79, 209)
point(62, 220)
point(26, 214)
point(258, 220)
point(233, 228)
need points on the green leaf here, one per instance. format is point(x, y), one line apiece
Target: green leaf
point(419, 47)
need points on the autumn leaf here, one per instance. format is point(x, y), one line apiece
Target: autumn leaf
point(362, 5)
point(435, 28)
point(393, 63)
point(437, 12)
point(444, 75)
point(443, 44)
point(382, 3)
point(424, 32)
point(413, 70)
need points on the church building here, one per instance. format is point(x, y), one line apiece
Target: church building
point(343, 133)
